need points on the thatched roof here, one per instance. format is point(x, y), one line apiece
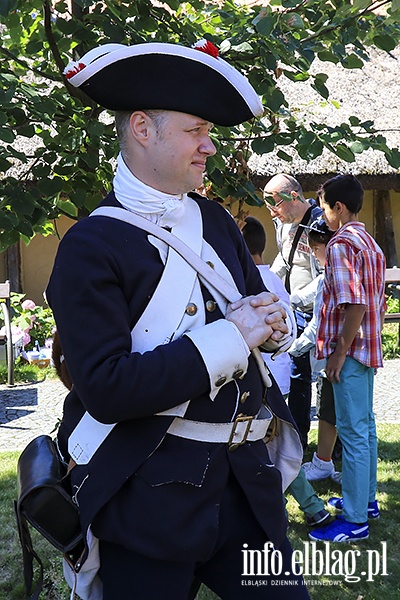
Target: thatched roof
point(370, 93)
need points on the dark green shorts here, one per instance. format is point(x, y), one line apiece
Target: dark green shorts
point(325, 401)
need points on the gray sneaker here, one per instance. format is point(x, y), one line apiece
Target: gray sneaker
point(337, 477)
point(322, 517)
point(318, 469)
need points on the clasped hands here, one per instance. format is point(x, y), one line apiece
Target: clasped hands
point(258, 318)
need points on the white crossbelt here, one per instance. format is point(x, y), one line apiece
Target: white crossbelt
point(243, 429)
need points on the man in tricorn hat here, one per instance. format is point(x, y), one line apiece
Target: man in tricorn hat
point(165, 426)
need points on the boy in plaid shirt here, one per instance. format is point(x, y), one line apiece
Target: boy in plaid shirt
point(349, 336)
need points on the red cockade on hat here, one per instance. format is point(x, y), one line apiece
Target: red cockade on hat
point(207, 47)
point(73, 68)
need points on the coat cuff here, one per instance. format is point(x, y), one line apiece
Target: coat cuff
point(223, 350)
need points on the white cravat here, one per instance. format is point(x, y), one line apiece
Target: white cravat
point(163, 209)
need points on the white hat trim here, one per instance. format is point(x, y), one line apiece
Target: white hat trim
point(99, 57)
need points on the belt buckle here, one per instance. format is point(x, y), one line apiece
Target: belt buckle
point(239, 419)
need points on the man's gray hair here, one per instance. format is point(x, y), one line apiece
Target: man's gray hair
point(291, 185)
point(122, 118)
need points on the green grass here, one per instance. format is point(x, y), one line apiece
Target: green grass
point(386, 529)
point(27, 373)
point(390, 341)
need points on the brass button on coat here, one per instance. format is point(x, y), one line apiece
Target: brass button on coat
point(220, 381)
point(211, 305)
point(238, 374)
point(191, 309)
point(244, 397)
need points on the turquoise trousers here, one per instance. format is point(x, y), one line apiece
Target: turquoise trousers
point(355, 423)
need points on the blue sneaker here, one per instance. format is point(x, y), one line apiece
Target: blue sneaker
point(340, 531)
point(373, 508)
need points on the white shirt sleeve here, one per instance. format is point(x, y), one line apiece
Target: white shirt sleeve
point(223, 350)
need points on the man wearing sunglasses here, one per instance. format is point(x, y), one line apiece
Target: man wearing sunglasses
point(298, 269)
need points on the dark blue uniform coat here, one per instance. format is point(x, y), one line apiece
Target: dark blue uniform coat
point(155, 494)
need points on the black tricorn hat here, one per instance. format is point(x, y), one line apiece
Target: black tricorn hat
point(163, 76)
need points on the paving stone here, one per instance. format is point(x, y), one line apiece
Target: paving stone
point(27, 411)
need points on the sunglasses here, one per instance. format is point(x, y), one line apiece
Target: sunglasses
point(270, 202)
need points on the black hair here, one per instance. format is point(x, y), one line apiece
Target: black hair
point(319, 233)
point(254, 236)
point(345, 189)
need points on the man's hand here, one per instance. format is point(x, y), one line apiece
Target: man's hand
point(258, 318)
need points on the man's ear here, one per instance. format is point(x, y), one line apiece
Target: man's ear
point(140, 126)
point(294, 195)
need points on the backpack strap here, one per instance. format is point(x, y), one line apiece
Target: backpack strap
point(295, 243)
point(28, 555)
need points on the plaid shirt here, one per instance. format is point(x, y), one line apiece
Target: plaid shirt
point(354, 274)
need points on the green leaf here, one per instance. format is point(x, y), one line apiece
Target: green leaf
point(8, 220)
point(385, 42)
point(263, 145)
point(310, 151)
point(357, 147)
point(174, 4)
point(354, 121)
point(67, 207)
point(51, 187)
point(367, 125)
point(319, 85)
point(25, 228)
point(22, 203)
point(293, 21)
point(95, 129)
point(284, 139)
point(84, 3)
point(27, 131)
point(327, 56)
point(274, 99)
point(6, 6)
point(4, 164)
point(352, 62)
point(265, 26)
point(284, 156)
point(296, 76)
point(289, 3)
point(7, 135)
point(41, 171)
point(361, 4)
point(66, 26)
point(78, 197)
point(393, 158)
point(245, 47)
point(344, 153)
point(61, 7)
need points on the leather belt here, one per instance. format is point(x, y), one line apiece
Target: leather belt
point(243, 429)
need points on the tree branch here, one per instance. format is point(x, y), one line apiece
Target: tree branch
point(73, 91)
point(26, 65)
point(341, 24)
point(50, 37)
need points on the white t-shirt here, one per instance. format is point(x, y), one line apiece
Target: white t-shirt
point(280, 365)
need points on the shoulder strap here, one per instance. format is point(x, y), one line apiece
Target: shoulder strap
point(204, 269)
point(100, 430)
point(295, 242)
point(28, 554)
